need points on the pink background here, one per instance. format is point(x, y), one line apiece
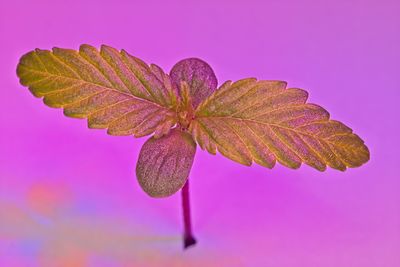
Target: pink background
point(69, 196)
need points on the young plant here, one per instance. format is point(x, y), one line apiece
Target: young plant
point(246, 121)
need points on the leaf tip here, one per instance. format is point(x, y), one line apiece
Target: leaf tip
point(85, 47)
point(108, 49)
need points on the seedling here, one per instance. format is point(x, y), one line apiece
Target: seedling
point(246, 121)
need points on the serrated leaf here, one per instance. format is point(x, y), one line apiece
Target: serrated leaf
point(112, 89)
point(164, 164)
point(261, 121)
point(199, 77)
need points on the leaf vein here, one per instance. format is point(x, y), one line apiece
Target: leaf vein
point(101, 72)
point(65, 64)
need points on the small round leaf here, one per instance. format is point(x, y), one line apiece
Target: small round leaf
point(164, 164)
point(198, 75)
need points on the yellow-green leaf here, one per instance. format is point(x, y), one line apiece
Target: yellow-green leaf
point(263, 122)
point(110, 88)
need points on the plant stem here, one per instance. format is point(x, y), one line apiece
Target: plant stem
point(188, 239)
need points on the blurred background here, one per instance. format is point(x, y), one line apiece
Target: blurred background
point(69, 195)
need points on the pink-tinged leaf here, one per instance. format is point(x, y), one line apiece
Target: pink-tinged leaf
point(164, 164)
point(198, 75)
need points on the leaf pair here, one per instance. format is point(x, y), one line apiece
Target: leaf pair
point(246, 121)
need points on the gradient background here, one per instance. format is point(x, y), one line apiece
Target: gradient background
point(69, 196)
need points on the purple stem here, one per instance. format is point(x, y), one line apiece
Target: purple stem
point(188, 239)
